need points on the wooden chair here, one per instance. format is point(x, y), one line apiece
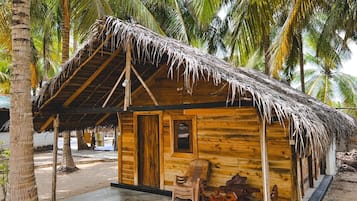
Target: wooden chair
point(188, 186)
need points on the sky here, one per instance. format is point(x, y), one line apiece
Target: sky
point(350, 66)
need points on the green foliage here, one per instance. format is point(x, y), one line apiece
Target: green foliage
point(4, 169)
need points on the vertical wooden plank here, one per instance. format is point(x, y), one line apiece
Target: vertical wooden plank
point(127, 76)
point(265, 162)
point(161, 152)
point(119, 143)
point(54, 163)
point(136, 166)
point(295, 193)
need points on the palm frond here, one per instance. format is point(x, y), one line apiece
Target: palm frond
point(137, 10)
point(84, 13)
point(299, 12)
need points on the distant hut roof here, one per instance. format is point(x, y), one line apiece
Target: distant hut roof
point(314, 123)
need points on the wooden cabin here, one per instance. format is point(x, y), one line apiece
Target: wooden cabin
point(173, 103)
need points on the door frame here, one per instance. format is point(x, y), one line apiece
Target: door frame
point(161, 146)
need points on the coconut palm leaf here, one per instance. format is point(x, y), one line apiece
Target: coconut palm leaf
point(348, 88)
point(138, 11)
point(206, 10)
point(252, 27)
point(171, 15)
point(299, 14)
point(85, 12)
point(5, 27)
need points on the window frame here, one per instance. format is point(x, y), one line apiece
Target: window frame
point(173, 136)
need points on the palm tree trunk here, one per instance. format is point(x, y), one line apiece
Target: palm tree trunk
point(67, 159)
point(22, 183)
point(301, 63)
point(45, 64)
point(80, 140)
point(266, 54)
point(65, 30)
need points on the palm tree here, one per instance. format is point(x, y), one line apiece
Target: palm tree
point(253, 25)
point(5, 46)
point(324, 80)
point(138, 10)
point(45, 29)
point(5, 63)
point(84, 14)
point(22, 183)
point(67, 164)
point(5, 39)
point(299, 11)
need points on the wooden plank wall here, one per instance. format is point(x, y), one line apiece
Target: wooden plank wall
point(128, 148)
point(229, 139)
point(172, 91)
point(279, 155)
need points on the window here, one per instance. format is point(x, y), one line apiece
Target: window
point(183, 135)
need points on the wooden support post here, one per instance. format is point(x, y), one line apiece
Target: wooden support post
point(127, 76)
point(54, 163)
point(145, 86)
point(265, 162)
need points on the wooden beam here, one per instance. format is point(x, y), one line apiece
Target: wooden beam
point(91, 79)
point(54, 153)
point(145, 86)
point(113, 89)
point(109, 110)
point(265, 161)
point(162, 66)
point(75, 72)
point(127, 76)
point(47, 123)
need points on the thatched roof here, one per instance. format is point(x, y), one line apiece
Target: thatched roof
point(314, 123)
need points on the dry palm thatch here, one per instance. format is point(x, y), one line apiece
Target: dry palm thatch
point(314, 124)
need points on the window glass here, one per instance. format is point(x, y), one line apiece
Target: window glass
point(183, 136)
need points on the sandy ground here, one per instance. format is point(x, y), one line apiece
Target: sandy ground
point(95, 172)
point(343, 187)
point(89, 177)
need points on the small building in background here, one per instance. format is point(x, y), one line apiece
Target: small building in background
point(4, 113)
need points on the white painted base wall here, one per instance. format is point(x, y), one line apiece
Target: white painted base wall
point(331, 168)
point(39, 139)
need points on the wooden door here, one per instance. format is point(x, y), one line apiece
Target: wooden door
point(148, 150)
